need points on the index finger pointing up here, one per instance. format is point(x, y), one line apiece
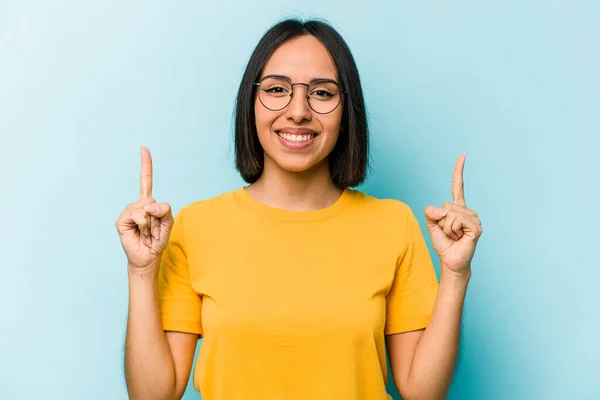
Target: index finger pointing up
point(146, 175)
point(458, 189)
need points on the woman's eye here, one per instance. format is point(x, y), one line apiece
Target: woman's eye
point(322, 93)
point(276, 89)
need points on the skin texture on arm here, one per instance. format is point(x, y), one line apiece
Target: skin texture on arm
point(183, 347)
point(401, 350)
point(149, 369)
point(157, 363)
point(423, 361)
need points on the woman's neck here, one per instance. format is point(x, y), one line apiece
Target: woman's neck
point(296, 191)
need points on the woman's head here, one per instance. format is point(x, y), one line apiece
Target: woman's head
point(296, 133)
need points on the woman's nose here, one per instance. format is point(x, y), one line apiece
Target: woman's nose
point(298, 109)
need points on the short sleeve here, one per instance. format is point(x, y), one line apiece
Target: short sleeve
point(412, 296)
point(180, 306)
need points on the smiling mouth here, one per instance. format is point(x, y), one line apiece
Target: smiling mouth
point(296, 138)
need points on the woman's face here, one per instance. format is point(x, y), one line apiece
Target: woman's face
point(283, 134)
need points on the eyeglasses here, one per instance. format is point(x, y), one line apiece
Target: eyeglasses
point(323, 95)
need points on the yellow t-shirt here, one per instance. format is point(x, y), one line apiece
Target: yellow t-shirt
point(294, 305)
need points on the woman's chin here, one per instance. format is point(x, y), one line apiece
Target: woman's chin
point(297, 164)
point(295, 168)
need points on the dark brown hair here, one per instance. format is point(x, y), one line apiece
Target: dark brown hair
point(348, 159)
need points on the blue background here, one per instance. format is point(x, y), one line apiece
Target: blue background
point(514, 84)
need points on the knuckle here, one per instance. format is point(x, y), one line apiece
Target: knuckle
point(138, 217)
point(141, 202)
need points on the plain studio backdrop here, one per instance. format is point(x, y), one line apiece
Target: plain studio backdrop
point(514, 84)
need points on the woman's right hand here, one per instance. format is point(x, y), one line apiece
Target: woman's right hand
point(145, 226)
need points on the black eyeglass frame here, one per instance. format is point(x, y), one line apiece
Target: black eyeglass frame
point(341, 92)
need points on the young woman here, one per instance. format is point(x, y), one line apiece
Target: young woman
point(295, 280)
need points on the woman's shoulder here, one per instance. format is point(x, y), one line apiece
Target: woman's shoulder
point(384, 205)
point(213, 205)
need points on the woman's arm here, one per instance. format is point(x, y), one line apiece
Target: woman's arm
point(157, 364)
point(423, 361)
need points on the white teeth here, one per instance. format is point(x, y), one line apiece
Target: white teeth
point(296, 138)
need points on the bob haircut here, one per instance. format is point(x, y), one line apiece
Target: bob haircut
point(349, 158)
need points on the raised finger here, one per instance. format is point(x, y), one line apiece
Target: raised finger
point(146, 174)
point(458, 192)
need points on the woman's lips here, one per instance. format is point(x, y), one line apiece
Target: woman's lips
point(295, 140)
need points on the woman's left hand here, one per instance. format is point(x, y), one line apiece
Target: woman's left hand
point(454, 228)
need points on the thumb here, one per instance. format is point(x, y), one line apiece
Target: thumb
point(433, 215)
point(159, 210)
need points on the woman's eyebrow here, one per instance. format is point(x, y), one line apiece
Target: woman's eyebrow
point(287, 78)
